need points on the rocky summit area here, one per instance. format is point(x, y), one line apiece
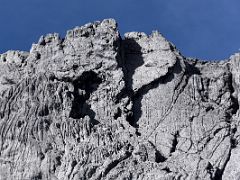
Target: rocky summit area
point(95, 105)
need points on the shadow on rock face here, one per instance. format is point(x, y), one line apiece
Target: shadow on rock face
point(84, 85)
point(133, 59)
point(138, 96)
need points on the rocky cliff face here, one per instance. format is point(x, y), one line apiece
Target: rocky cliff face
point(97, 106)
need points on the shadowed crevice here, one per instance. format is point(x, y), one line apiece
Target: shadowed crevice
point(138, 95)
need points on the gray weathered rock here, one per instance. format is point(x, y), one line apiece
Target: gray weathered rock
point(95, 106)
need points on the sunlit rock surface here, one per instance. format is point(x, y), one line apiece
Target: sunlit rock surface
point(95, 105)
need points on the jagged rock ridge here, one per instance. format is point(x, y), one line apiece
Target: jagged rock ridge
point(97, 106)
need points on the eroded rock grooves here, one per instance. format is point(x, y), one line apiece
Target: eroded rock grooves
point(97, 106)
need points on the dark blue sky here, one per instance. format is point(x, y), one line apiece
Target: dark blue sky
point(206, 29)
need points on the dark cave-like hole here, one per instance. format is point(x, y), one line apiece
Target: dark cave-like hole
point(234, 143)
point(159, 157)
point(52, 77)
point(41, 156)
point(44, 111)
point(209, 108)
point(118, 113)
point(75, 66)
point(58, 125)
point(4, 59)
point(167, 169)
point(38, 55)
point(218, 174)
point(174, 142)
point(84, 85)
point(138, 133)
point(19, 124)
point(130, 119)
point(58, 160)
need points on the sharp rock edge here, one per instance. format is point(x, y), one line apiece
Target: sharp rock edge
point(94, 105)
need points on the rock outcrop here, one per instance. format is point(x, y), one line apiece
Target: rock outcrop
point(94, 105)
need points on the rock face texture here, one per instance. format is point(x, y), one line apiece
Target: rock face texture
point(94, 105)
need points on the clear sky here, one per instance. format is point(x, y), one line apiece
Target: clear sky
point(206, 29)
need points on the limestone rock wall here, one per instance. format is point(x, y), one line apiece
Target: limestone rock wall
point(95, 105)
